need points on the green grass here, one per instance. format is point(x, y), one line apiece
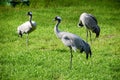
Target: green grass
point(46, 58)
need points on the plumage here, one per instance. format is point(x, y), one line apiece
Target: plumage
point(90, 22)
point(72, 41)
point(27, 27)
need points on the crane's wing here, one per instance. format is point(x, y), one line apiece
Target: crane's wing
point(25, 27)
point(66, 40)
point(89, 22)
point(93, 17)
point(69, 41)
point(72, 40)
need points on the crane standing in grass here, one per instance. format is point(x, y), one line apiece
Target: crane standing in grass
point(90, 22)
point(72, 41)
point(27, 27)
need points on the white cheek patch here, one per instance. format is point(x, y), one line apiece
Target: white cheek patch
point(59, 17)
point(31, 13)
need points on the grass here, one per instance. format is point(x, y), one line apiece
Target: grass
point(46, 58)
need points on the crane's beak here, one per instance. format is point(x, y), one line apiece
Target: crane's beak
point(80, 24)
point(97, 31)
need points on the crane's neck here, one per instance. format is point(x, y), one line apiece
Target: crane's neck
point(30, 19)
point(56, 30)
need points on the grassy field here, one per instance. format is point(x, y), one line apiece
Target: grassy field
point(46, 58)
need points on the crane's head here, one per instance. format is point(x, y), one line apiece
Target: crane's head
point(80, 24)
point(97, 31)
point(29, 13)
point(57, 18)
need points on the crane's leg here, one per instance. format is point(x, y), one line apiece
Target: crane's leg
point(27, 39)
point(87, 35)
point(71, 55)
point(90, 37)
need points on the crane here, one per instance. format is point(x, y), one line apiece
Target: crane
point(72, 41)
point(91, 24)
point(27, 27)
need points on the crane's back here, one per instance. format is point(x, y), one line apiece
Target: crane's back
point(88, 20)
point(72, 40)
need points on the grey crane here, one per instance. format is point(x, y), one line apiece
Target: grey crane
point(91, 24)
point(72, 41)
point(27, 27)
